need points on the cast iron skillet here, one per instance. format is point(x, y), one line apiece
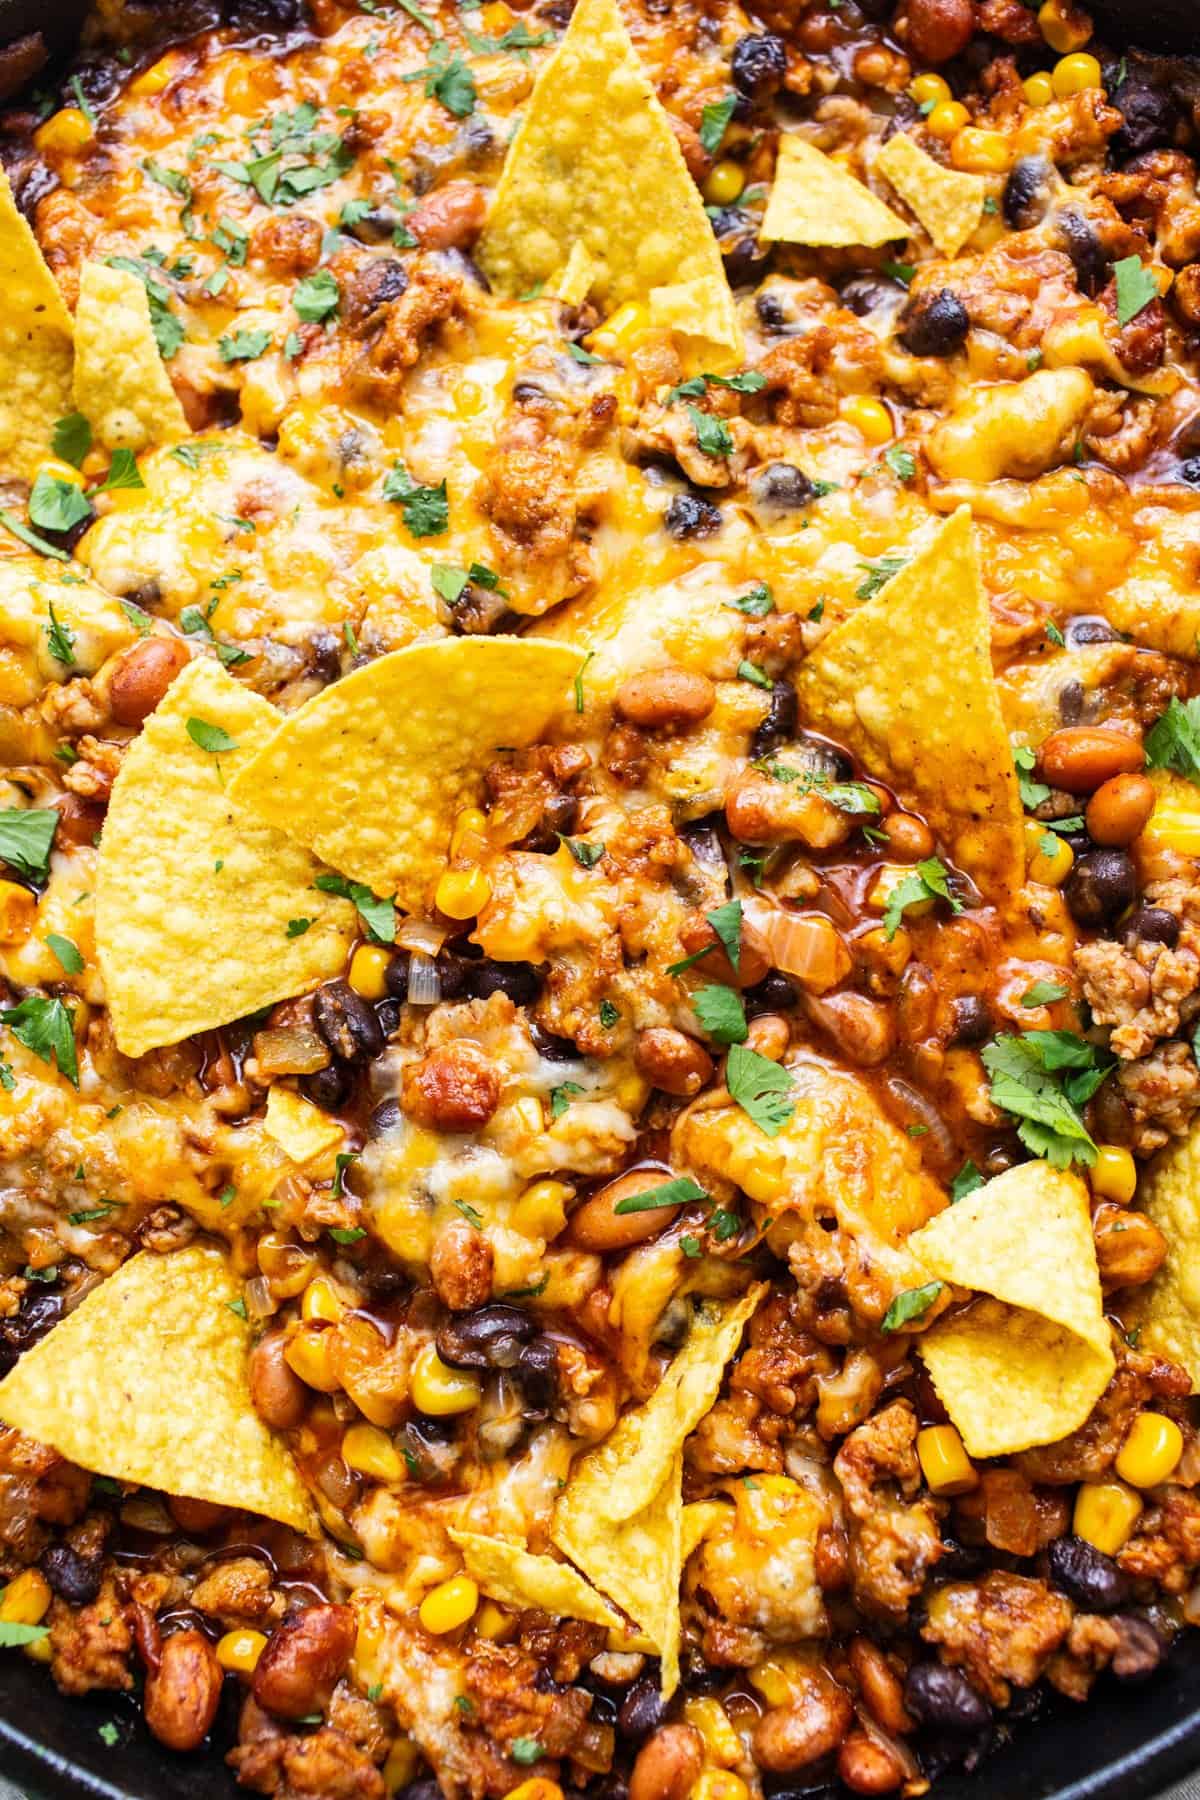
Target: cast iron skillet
point(1126, 1743)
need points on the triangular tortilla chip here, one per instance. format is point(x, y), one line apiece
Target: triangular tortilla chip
point(120, 383)
point(194, 894)
point(1030, 1370)
point(35, 346)
point(514, 1575)
point(1166, 1312)
point(595, 162)
point(147, 1381)
point(816, 200)
point(948, 203)
point(370, 773)
point(906, 683)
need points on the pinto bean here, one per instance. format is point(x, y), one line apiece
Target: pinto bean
point(939, 29)
point(460, 1266)
point(1129, 1247)
point(673, 1061)
point(183, 1692)
point(280, 1397)
point(452, 1089)
point(1082, 757)
point(142, 677)
point(288, 246)
point(879, 1685)
point(867, 1766)
point(791, 1737)
point(754, 959)
point(908, 838)
point(596, 1225)
point(669, 1765)
point(1120, 809)
point(450, 218)
point(769, 1035)
point(665, 699)
point(862, 1029)
point(303, 1660)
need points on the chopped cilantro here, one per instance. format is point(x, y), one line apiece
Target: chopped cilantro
point(66, 952)
point(756, 602)
point(714, 122)
point(243, 346)
point(346, 1234)
point(1043, 993)
point(12, 1634)
point(211, 738)
point(426, 509)
point(60, 640)
point(1054, 634)
point(44, 548)
point(608, 1014)
point(525, 1750)
point(691, 1246)
point(297, 927)
point(585, 854)
point(341, 1163)
point(748, 671)
point(8, 1080)
point(724, 1225)
point(681, 1191)
point(1032, 792)
point(580, 355)
point(57, 505)
point(928, 881)
point(123, 472)
point(579, 674)
point(965, 1182)
point(712, 434)
point(25, 839)
point(721, 1013)
point(900, 461)
point(379, 916)
point(1042, 1078)
point(900, 271)
point(47, 1027)
point(1173, 741)
point(912, 1304)
point(1136, 288)
point(470, 1213)
point(72, 438)
point(237, 1306)
point(879, 570)
point(759, 1087)
point(171, 179)
point(316, 297)
point(561, 1097)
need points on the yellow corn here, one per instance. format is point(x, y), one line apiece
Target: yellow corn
point(1050, 856)
point(772, 1681)
point(710, 1719)
point(1105, 1514)
point(1075, 74)
point(1175, 827)
point(1064, 27)
point(438, 1389)
point(368, 971)
point(470, 824)
point(67, 131)
point(287, 1266)
point(630, 322)
point(946, 120)
point(26, 1599)
point(725, 182)
point(239, 1651)
point(719, 1784)
point(462, 893)
point(541, 1211)
point(449, 1605)
point(403, 1760)
point(494, 1624)
point(372, 1452)
point(538, 1787)
point(54, 469)
point(310, 1355)
point(154, 79)
point(944, 1463)
point(469, 399)
point(885, 883)
point(321, 1303)
point(869, 416)
point(1039, 88)
point(1113, 1175)
point(1152, 1447)
point(981, 152)
point(38, 1650)
point(930, 87)
point(17, 909)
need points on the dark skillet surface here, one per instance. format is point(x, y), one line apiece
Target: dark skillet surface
point(1127, 1743)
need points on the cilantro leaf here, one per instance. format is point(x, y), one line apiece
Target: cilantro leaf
point(426, 509)
point(879, 571)
point(928, 881)
point(721, 1013)
point(965, 1182)
point(756, 602)
point(1022, 1085)
point(47, 1027)
point(585, 854)
point(580, 355)
point(900, 461)
point(57, 505)
point(449, 583)
point(759, 1087)
point(749, 671)
point(66, 952)
point(60, 639)
point(242, 346)
point(578, 684)
point(525, 1750)
point(379, 916)
point(609, 1015)
point(342, 1234)
point(561, 1097)
point(712, 434)
point(1136, 288)
point(123, 472)
point(1043, 993)
point(726, 921)
point(1173, 741)
point(912, 1304)
point(297, 927)
point(714, 122)
point(42, 545)
point(681, 1191)
point(1032, 792)
point(72, 438)
point(212, 738)
point(25, 840)
point(12, 1634)
point(316, 297)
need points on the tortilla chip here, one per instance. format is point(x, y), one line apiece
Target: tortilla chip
point(596, 163)
point(147, 1381)
point(573, 283)
point(816, 200)
point(370, 773)
point(193, 894)
point(302, 1131)
point(35, 346)
point(120, 382)
point(948, 203)
point(1030, 1370)
point(515, 1576)
point(906, 683)
point(1166, 1312)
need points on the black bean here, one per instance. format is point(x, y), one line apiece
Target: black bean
point(1153, 925)
point(328, 1088)
point(396, 975)
point(779, 725)
point(934, 324)
point(745, 258)
point(771, 311)
point(868, 293)
point(1086, 1576)
point(389, 1013)
point(1189, 471)
point(346, 1022)
point(758, 65)
point(1150, 116)
point(388, 1116)
point(558, 815)
point(38, 1312)
point(691, 516)
point(374, 284)
point(1101, 885)
point(1140, 1650)
point(376, 226)
point(945, 1699)
point(74, 1578)
point(537, 1371)
point(781, 487)
point(1027, 192)
point(521, 981)
point(421, 1790)
point(972, 1020)
point(642, 1710)
point(1085, 628)
point(603, 1711)
point(1092, 266)
point(552, 1047)
point(958, 1560)
point(774, 993)
point(492, 1337)
point(454, 973)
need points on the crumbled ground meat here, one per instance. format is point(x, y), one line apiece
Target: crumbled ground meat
point(1089, 1452)
point(510, 1702)
point(90, 1645)
point(239, 1592)
point(37, 1488)
point(1163, 1094)
point(1000, 1630)
point(1139, 987)
point(894, 1537)
point(325, 1765)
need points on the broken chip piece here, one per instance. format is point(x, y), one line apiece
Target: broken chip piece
point(514, 1575)
point(948, 202)
point(1164, 1316)
point(815, 200)
point(120, 383)
point(35, 345)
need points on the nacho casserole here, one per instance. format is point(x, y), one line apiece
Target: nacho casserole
point(599, 886)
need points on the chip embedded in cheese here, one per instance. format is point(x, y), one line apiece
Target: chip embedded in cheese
point(35, 346)
point(120, 383)
point(816, 200)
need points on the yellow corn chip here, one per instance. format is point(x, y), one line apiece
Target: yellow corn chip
point(948, 203)
point(120, 382)
point(573, 283)
point(370, 773)
point(147, 1381)
point(595, 163)
point(1030, 1370)
point(194, 894)
point(1167, 1310)
point(35, 346)
point(906, 683)
point(514, 1575)
point(301, 1129)
point(816, 200)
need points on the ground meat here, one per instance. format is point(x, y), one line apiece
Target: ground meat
point(37, 1488)
point(511, 1703)
point(526, 491)
point(323, 1766)
point(432, 296)
point(239, 1592)
point(564, 1646)
point(894, 1537)
point(1162, 1091)
point(1001, 1629)
point(1089, 1452)
point(1091, 1644)
point(1137, 989)
point(799, 388)
point(90, 1645)
point(1010, 20)
point(782, 1361)
point(731, 1438)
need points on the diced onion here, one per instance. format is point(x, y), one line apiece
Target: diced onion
point(805, 945)
point(260, 1302)
point(420, 934)
point(424, 981)
point(289, 1050)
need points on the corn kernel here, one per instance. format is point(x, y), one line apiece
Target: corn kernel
point(771, 1681)
point(1113, 1175)
point(1152, 1447)
point(287, 1266)
point(525, 1115)
point(930, 88)
point(1039, 88)
point(372, 1452)
point(719, 1784)
point(154, 79)
point(871, 417)
point(1075, 74)
point(26, 1599)
point(17, 909)
point(944, 1463)
point(538, 1787)
point(470, 824)
point(449, 1605)
point(310, 1355)
point(368, 971)
point(462, 893)
point(1175, 828)
point(438, 1389)
point(710, 1719)
point(54, 469)
point(946, 120)
point(1049, 856)
point(469, 399)
point(68, 131)
point(38, 1650)
point(321, 1302)
point(1105, 1514)
point(497, 17)
point(239, 1651)
point(403, 1760)
point(630, 322)
point(494, 1624)
point(981, 152)
point(1064, 27)
point(725, 182)
point(874, 947)
point(888, 879)
point(541, 1211)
